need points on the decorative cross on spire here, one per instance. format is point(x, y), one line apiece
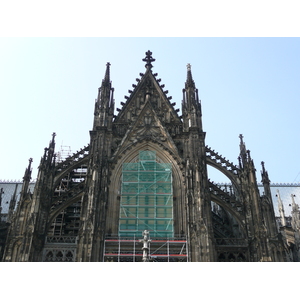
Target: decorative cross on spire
point(148, 59)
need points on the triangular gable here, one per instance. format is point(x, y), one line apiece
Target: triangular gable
point(147, 127)
point(148, 85)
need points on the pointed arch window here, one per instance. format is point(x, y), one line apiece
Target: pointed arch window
point(146, 197)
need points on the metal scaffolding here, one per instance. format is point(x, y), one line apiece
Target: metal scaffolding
point(146, 197)
point(131, 249)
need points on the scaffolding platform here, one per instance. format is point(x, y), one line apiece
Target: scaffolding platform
point(129, 249)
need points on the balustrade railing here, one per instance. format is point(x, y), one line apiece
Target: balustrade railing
point(61, 239)
point(231, 242)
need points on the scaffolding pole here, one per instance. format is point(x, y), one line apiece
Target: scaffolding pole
point(119, 250)
point(134, 248)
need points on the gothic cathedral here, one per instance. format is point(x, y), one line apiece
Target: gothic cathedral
point(140, 190)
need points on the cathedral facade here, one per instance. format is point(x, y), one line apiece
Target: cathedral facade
point(140, 191)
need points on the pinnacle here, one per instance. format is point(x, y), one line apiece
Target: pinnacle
point(148, 59)
point(189, 81)
point(107, 73)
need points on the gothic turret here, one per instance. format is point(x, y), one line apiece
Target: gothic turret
point(264, 174)
point(1, 192)
point(26, 180)
point(243, 152)
point(266, 182)
point(295, 215)
point(104, 106)
point(94, 201)
point(12, 204)
point(48, 160)
point(295, 222)
point(267, 203)
point(281, 210)
point(191, 106)
point(19, 219)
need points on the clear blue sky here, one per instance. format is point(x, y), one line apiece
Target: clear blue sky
point(246, 85)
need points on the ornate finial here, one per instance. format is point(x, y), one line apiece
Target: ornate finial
point(264, 172)
point(243, 150)
point(148, 59)
point(263, 167)
point(27, 175)
point(189, 81)
point(241, 137)
point(53, 138)
point(107, 77)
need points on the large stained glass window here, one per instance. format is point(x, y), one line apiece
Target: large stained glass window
point(146, 197)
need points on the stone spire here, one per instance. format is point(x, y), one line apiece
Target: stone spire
point(104, 105)
point(242, 145)
point(105, 89)
point(27, 175)
point(294, 205)
point(189, 80)
point(281, 209)
point(264, 174)
point(51, 155)
point(191, 106)
point(12, 204)
point(243, 152)
point(27, 178)
point(107, 74)
point(1, 192)
point(295, 214)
